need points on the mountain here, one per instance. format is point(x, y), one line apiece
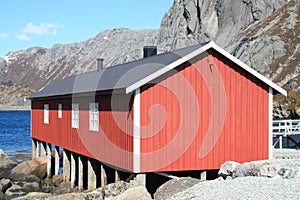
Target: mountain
point(262, 33)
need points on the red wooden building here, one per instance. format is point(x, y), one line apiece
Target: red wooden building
point(190, 109)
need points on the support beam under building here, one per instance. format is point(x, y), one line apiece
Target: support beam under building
point(56, 163)
point(43, 149)
point(92, 176)
point(141, 179)
point(103, 177)
point(203, 175)
point(80, 172)
point(117, 176)
point(49, 158)
point(66, 164)
point(34, 148)
point(73, 170)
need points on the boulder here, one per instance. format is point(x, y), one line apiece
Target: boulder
point(31, 187)
point(174, 186)
point(58, 179)
point(115, 189)
point(5, 184)
point(284, 168)
point(227, 168)
point(37, 167)
point(135, 193)
point(34, 195)
point(14, 191)
point(5, 163)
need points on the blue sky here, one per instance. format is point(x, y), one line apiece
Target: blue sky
point(28, 23)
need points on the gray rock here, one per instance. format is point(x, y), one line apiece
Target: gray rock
point(115, 189)
point(243, 188)
point(227, 168)
point(135, 193)
point(5, 163)
point(14, 191)
point(286, 169)
point(31, 187)
point(34, 196)
point(5, 184)
point(174, 186)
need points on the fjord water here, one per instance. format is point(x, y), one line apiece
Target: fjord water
point(15, 130)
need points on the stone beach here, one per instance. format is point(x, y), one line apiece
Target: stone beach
point(278, 178)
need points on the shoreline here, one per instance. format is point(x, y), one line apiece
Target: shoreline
point(19, 155)
point(15, 108)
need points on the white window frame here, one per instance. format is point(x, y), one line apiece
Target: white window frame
point(46, 113)
point(59, 109)
point(94, 116)
point(75, 115)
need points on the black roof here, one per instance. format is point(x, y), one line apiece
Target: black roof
point(114, 77)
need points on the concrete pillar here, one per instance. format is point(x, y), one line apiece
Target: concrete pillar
point(73, 170)
point(49, 158)
point(38, 148)
point(34, 148)
point(203, 175)
point(103, 177)
point(92, 177)
point(80, 172)
point(43, 149)
point(56, 167)
point(117, 177)
point(141, 179)
point(66, 164)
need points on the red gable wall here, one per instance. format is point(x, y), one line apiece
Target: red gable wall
point(208, 112)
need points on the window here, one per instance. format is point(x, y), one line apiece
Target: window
point(46, 113)
point(59, 110)
point(94, 116)
point(75, 115)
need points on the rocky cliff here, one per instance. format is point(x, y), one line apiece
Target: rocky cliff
point(262, 33)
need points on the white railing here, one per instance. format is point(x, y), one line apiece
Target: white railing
point(285, 128)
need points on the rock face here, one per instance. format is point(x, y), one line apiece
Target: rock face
point(174, 186)
point(262, 33)
point(22, 171)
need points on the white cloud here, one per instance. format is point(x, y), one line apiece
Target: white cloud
point(44, 28)
point(4, 35)
point(23, 37)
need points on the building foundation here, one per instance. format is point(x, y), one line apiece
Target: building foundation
point(56, 163)
point(66, 164)
point(92, 176)
point(49, 160)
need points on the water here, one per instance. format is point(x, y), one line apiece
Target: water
point(15, 130)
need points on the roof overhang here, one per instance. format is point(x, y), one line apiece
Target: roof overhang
point(210, 45)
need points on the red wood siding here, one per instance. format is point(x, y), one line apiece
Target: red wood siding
point(179, 111)
point(113, 142)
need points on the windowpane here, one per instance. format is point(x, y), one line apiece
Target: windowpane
point(94, 117)
point(60, 110)
point(75, 115)
point(46, 113)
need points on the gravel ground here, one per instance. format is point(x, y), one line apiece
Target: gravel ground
point(244, 188)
